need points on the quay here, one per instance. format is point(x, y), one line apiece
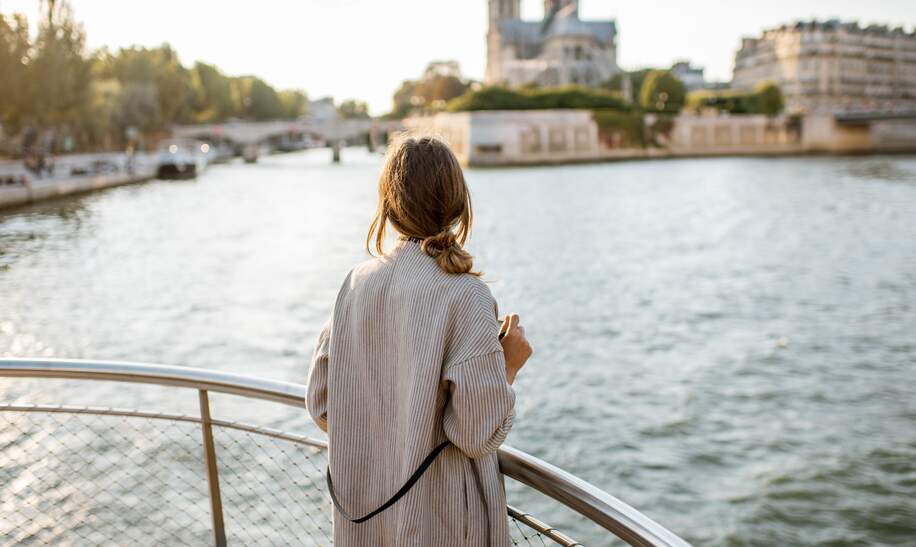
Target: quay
point(498, 138)
point(72, 175)
point(79, 173)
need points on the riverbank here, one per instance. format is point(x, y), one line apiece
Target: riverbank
point(72, 175)
point(562, 136)
point(49, 189)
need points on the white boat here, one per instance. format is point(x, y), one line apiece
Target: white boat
point(181, 159)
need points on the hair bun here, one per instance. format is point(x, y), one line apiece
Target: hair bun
point(448, 252)
point(439, 243)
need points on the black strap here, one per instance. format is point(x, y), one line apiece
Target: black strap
point(398, 495)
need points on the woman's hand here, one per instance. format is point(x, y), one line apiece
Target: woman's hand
point(515, 346)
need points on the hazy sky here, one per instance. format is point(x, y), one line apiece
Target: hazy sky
point(365, 48)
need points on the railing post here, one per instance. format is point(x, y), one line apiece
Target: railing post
point(216, 501)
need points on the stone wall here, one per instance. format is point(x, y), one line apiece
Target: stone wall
point(521, 137)
point(514, 136)
point(723, 134)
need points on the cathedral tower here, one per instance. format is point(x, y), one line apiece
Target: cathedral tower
point(504, 9)
point(500, 10)
point(553, 6)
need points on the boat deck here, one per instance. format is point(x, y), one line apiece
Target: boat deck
point(94, 475)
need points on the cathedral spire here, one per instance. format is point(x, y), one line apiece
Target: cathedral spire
point(504, 9)
point(552, 7)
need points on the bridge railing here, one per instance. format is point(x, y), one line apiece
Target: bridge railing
point(99, 475)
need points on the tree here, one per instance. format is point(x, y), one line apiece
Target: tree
point(158, 69)
point(765, 99)
point(258, 100)
point(404, 99)
point(293, 102)
point(59, 72)
point(14, 51)
point(138, 106)
point(501, 98)
point(212, 98)
point(768, 99)
point(662, 92)
point(441, 82)
point(637, 77)
point(53, 86)
point(353, 109)
point(438, 90)
point(173, 85)
point(102, 117)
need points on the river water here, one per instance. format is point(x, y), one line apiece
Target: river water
point(727, 344)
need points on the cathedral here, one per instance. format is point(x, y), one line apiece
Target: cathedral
point(562, 49)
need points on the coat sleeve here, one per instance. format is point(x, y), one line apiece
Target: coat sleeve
point(481, 405)
point(316, 398)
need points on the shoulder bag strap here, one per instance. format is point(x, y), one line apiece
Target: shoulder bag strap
point(398, 495)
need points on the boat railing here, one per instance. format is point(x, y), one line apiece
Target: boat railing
point(90, 474)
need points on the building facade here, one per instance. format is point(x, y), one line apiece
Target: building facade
point(562, 49)
point(692, 76)
point(831, 67)
point(533, 137)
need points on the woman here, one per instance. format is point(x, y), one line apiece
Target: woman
point(414, 360)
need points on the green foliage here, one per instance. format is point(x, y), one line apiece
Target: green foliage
point(259, 101)
point(52, 85)
point(441, 82)
point(764, 99)
point(162, 77)
point(621, 129)
point(501, 98)
point(293, 102)
point(404, 99)
point(212, 98)
point(768, 99)
point(616, 82)
point(58, 73)
point(353, 109)
point(14, 51)
point(733, 102)
point(138, 106)
point(662, 92)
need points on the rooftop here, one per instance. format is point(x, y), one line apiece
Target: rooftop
point(833, 25)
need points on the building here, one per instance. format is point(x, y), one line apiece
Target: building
point(514, 137)
point(830, 67)
point(562, 49)
point(692, 76)
point(321, 110)
point(533, 137)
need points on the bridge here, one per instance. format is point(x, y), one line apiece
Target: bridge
point(251, 136)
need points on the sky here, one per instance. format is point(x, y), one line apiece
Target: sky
point(364, 49)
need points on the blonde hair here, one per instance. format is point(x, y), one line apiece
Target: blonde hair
point(423, 194)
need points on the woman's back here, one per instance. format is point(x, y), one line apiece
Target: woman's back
point(412, 358)
point(410, 362)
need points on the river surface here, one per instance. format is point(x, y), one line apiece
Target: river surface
point(729, 345)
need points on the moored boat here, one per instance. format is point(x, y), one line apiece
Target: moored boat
point(181, 159)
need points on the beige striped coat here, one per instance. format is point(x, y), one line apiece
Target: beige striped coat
point(410, 358)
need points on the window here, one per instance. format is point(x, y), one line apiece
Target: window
point(582, 138)
point(531, 140)
point(489, 149)
point(558, 140)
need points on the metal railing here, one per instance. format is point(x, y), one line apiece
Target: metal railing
point(231, 449)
